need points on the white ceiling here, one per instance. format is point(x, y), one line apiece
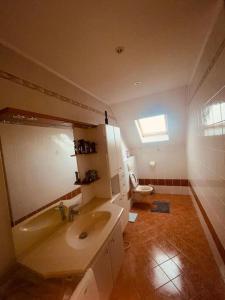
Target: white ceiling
point(77, 39)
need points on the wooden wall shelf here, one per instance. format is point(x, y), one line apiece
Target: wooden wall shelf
point(90, 182)
point(79, 154)
point(22, 117)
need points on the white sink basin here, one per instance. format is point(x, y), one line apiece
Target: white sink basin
point(48, 219)
point(62, 252)
point(86, 229)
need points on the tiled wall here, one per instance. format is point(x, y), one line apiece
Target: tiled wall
point(206, 130)
point(168, 186)
point(168, 182)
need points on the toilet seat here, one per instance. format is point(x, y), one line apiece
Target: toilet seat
point(142, 189)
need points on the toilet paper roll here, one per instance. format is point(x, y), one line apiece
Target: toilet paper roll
point(152, 163)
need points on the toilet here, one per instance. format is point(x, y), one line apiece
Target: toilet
point(140, 191)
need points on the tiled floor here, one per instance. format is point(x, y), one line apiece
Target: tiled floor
point(169, 257)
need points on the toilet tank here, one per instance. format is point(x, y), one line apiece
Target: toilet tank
point(87, 288)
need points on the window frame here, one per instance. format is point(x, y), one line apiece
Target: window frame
point(159, 136)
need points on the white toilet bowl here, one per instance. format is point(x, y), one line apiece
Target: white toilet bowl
point(144, 189)
point(141, 191)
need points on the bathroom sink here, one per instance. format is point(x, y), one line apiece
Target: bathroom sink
point(48, 219)
point(86, 229)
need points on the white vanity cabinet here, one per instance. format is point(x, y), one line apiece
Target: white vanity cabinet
point(112, 150)
point(119, 200)
point(103, 273)
point(124, 201)
point(113, 140)
point(116, 251)
point(117, 136)
point(108, 262)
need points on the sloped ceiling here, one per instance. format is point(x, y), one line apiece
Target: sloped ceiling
point(77, 40)
point(172, 103)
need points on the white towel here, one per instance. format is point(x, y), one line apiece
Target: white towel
point(132, 217)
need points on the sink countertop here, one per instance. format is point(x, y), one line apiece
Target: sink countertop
point(54, 257)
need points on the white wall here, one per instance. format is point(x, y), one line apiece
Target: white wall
point(170, 156)
point(6, 244)
point(206, 144)
point(39, 168)
point(14, 94)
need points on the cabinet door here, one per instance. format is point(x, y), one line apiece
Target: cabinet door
point(118, 147)
point(116, 250)
point(112, 151)
point(103, 273)
point(122, 179)
point(86, 289)
point(123, 201)
point(126, 206)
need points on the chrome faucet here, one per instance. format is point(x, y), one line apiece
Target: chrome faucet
point(62, 210)
point(73, 210)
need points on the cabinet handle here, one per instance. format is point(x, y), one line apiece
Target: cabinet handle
point(113, 241)
point(106, 251)
point(85, 291)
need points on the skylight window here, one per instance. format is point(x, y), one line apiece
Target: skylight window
point(152, 129)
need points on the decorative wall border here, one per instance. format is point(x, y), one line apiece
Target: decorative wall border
point(165, 182)
point(67, 196)
point(214, 235)
point(33, 86)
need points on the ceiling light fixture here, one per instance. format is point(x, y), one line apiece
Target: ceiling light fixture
point(119, 49)
point(137, 83)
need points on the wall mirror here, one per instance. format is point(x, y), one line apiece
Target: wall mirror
point(39, 164)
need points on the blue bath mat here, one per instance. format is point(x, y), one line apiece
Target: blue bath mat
point(161, 207)
point(132, 217)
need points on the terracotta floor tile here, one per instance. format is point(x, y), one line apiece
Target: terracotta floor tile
point(183, 262)
point(157, 254)
point(172, 244)
point(171, 269)
point(125, 290)
point(208, 295)
point(168, 248)
point(168, 291)
point(186, 289)
point(157, 277)
point(152, 263)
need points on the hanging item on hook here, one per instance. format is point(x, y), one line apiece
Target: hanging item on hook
point(106, 117)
